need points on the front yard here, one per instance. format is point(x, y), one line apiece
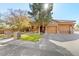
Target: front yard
point(33, 37)
point(30, 37)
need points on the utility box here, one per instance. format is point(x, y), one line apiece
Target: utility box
point(17, 35)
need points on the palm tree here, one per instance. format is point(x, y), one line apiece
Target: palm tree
point(41, 15)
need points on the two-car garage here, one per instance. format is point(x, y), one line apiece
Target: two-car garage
point(65, 28)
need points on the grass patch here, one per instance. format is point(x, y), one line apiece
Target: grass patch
point(32, 37)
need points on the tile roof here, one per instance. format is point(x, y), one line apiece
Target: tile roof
point(64, 20)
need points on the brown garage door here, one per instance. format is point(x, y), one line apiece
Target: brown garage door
point(51, 29)
point(63, 28)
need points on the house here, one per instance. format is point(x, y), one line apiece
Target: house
point(55, 26)
point(58, 26)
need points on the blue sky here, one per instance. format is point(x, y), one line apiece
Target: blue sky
point(61, 11)
point(5, 6)
point(66, 11)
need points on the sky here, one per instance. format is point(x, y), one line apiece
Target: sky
point(66, 11)
point(61, 11)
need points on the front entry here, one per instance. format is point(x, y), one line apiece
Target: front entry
point(42, 29)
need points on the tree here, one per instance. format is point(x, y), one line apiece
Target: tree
point(2, 22)
point(77, 25)
point(18, 19)
point(41, 16)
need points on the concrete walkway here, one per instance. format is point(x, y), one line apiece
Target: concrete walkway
point(5, 41)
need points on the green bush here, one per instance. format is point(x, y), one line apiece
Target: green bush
point(1, 35)
point(33, 37)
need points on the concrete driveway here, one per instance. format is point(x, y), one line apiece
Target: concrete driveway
point(69, 42)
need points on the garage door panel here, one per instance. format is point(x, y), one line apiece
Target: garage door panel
point(63, 28)
point(52, 29)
